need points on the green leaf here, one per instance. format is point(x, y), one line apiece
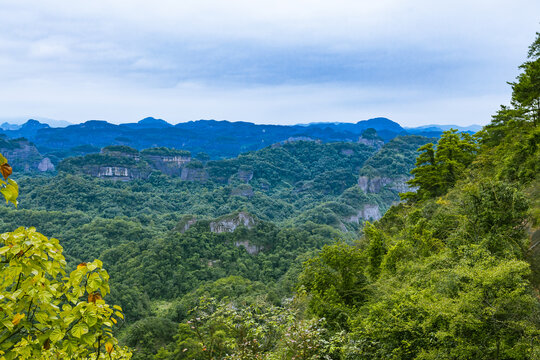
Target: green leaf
point(79, 330)
point(56, 335)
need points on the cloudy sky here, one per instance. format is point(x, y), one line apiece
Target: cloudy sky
point(297, 61)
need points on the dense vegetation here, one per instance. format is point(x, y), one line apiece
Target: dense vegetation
point(270, 258)
point(445, 275)
point(302, 195)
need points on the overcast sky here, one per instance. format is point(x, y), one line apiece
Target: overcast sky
point(282, 62)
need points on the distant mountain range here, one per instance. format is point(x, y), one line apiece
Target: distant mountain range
point(13, 123)
point(219, 139)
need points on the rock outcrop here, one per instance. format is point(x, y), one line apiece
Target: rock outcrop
point(369, 212)
point(120, 162)
point(400, 185)
point(370, 138)
point(45, 165)
point(229, 223)
point(374, 184)
point(170, 165)
point(22, 155)
point(194, 174)
point(377, 183)
point(117, 173)
point(377, 144)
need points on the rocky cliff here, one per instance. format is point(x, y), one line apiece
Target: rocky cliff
point(170, 165)
point(120, 162)
point(229, 223)
point(370, 138)
point(168, 161)
point(369, 212)
point(22, 155)
point(45, 165)
point(377, 183)
point(194, 174)
point(121, 173)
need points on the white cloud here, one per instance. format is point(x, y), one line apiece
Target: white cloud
point(49, 49)
point(263, 61)
point(284, 104)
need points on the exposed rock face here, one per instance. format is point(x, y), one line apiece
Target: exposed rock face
point(363, 183)
point(250, 248)
point(373, 185)
point(21, 154)
point(230, 223)
point(369, 212)
point(45, 165)
point(194, 174)
point(377, 183)
point(170, 165)
point(400, 185)
point(115, 172)
point(121, 173)
point(377, 144)
point(347, 152)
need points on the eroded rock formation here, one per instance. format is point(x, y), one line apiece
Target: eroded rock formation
point(231, 222)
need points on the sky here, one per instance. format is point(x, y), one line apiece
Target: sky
point(416, 62)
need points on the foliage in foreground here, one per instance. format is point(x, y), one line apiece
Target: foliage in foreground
point(46, 313)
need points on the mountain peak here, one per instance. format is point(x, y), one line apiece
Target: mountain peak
point(153, 123)
point(96, 124)
point(380, 123)
point(32, 124)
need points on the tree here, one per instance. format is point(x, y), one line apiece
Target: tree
point(526, 90)
point(439, 167)
point(375, 251)
point(336, 282)
point(46, 313)
point(472, 306)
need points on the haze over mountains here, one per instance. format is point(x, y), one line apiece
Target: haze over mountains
point(219, 139)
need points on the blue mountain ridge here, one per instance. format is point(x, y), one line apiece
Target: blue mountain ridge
point(217, 138)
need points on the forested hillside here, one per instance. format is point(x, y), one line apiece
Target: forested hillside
point(284, 252)
point(248, 224)
point(450, 273)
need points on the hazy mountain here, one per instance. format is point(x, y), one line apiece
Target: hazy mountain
point(11, 123)
point(219, 139)
point(8, 126)
point(149, 122)
point(435, 127)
